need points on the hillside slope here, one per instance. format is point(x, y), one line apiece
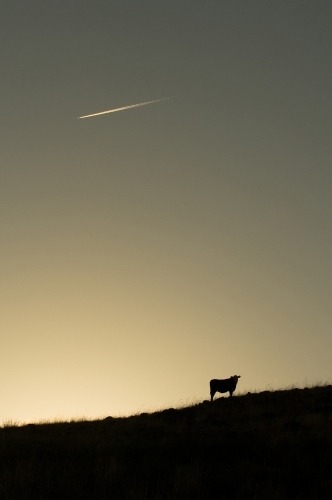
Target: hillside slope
point(268, 445)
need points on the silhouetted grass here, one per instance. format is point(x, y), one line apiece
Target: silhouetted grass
point(268, 445)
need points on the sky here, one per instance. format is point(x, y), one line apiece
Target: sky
point(145, 252)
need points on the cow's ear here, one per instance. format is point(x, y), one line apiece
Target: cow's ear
point(239, 376)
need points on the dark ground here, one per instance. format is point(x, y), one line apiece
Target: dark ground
point(268, 445)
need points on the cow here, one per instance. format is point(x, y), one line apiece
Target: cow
point(226, 385)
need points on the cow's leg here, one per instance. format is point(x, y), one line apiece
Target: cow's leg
point(212, 394)
point(231, 393)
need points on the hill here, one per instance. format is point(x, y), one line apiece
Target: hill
point(269, 445)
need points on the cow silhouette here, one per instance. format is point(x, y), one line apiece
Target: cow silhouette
point(225, 385)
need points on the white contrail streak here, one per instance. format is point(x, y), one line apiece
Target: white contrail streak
point(125, 107)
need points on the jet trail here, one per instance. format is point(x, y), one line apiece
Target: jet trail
point(125, 107)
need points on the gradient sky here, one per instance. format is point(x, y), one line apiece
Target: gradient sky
point(147, 251)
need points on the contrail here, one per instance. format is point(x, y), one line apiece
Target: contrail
point(126, 107)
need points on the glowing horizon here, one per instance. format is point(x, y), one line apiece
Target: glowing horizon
point(146, 254)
